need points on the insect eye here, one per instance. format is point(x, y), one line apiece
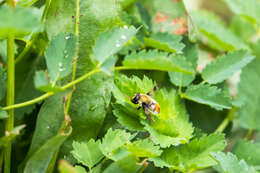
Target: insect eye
point(136, 98)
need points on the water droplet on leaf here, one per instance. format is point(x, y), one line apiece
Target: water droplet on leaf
point(123, 37)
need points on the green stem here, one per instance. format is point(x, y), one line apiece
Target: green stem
point(226, 121)
point(203, 82)
point(142, 169)
point(71, 84)
point(48, 94)
point(249, 134)
point(75, 59)
point(179, 91)
point(9, 99)
point(47, 5)
point(52, 162)
point(1, 160)
point(24, 52)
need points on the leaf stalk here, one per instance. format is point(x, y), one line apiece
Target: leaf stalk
point(226, 121)
point(9, 124)
point(75, 59)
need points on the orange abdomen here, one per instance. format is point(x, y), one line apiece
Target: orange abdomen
point(157, 108)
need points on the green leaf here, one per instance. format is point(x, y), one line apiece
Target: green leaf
point(111, 41)
point(243, 28)
point(126, 118)
point(248, 151)
point(41, 83)
point(181, 79)
point(204, 117)
point(145, 16)
point(49, 121)
point(40, 160)
point(24, 74)
point(81, 169)
point(170, 126)
point(213, 29)
point(91, 98)
point(2, 83)
point(248, 10)
point(18, 21)
point(124, 165)
point(165, 42)
point(59, 56)
point(154, 60)
point(208, 95)
point(3, 51)
point(65, 167)
point(125, 111)
point(88, 153)
point(229, 163)
point(169, 11)
point(126, 87)
point(249, 112)
point(26, 3)
point(225, 66)
point(112, 141)
point(108, 65)
point(3, 114)
point(194, 155)
point(144, 148)
point(10, 135)
point(126, 3)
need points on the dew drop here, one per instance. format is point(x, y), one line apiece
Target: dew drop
point(61, 69)
point(65, 51)
point(117, 45)
point(125, 26)
point(66, 56)
point(67, 37)
point(60, 64)
point(48, 127)
point(123, 37)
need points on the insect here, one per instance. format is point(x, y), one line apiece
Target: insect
point(145, 101)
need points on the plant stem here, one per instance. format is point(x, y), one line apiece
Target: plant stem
point(75, 59)
point(47, 5)
point(9, 99)
point(179, 91)
point(71, 84)
point(249, 134)
point(226, 121)
point(24, 52)
point(1, 160)
point(48, 94)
